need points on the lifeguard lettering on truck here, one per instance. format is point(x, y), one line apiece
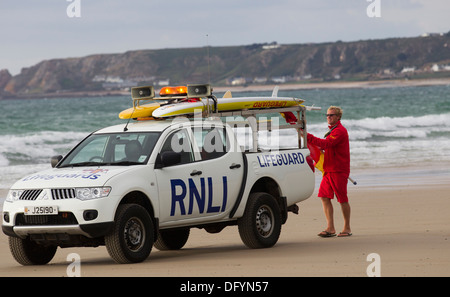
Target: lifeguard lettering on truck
point(146, 183)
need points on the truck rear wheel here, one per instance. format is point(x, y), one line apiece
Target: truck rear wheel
point(172, 239)
point(133, 235)
point(260, 226)
point(28, 252)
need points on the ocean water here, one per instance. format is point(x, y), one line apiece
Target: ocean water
point(394, 126)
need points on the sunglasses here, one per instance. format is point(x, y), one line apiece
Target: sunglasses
point(331, 114)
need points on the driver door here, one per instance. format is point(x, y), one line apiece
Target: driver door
point(177, 182)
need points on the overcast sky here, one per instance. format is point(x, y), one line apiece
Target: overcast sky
point(32, 31)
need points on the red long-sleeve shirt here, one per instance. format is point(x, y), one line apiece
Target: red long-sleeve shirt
point(337, 149)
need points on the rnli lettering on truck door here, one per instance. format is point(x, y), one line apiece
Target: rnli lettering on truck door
point(187, 196)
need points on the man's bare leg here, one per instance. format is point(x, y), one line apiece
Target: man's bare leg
point(328, 211)
point(346, 213)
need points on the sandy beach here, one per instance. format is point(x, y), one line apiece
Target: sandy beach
point(339, 85)
point(400, 214)
point(269, 87)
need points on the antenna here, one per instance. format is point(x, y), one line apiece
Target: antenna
point(207, 52)
point(125, 129)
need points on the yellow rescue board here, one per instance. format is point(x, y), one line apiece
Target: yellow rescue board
point(225, 104)
point(141, 111)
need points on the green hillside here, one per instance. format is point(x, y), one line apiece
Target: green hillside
point(251, 64)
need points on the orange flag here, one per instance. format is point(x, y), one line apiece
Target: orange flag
point(317, 155)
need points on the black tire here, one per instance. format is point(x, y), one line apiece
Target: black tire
point(260, 226)
point(28, 252)
point(132, 237)
point(172, 239)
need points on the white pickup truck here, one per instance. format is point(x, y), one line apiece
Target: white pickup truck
point(146, 183)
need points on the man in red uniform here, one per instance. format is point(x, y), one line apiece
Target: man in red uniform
point(336, 171)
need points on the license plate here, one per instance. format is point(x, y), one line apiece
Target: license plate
point(41, 210)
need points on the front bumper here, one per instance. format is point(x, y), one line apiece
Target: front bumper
point(89, 230)
point(92, 218)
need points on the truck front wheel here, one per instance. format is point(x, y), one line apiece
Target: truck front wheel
point(260, 226)
point(133, 235)
point(28, 252)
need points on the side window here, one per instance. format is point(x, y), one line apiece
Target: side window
point(212, 142)
point(179, 142)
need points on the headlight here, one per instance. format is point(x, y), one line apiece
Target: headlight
point(13, 195)
point(92, 193)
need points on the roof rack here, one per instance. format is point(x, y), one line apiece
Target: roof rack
point(250, 116)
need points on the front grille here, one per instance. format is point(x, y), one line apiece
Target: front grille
point(30, 194)
point(58, 194)
point(62, 218)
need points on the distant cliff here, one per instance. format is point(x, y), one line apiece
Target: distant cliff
point(257, 63)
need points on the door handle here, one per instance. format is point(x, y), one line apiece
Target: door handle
point(196, 172)
point(234, 166)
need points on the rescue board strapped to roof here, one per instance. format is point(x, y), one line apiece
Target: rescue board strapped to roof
point(194, 99)
point(199, 100)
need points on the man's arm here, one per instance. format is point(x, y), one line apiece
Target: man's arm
point(334, 138)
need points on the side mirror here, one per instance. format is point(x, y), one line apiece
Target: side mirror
point(55, 160)
point(167, 159)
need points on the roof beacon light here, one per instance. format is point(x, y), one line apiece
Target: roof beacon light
point(142, 92)
point(181, 90)
point(196, 91)
point(173, 91)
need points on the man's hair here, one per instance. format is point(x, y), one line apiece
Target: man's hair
point(337, 110)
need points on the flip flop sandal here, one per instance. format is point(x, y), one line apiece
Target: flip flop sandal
point(326, 234)
point(344, 234)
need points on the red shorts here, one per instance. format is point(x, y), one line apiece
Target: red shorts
point(334, 183)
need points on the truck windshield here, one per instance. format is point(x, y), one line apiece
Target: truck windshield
point(112, 149)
